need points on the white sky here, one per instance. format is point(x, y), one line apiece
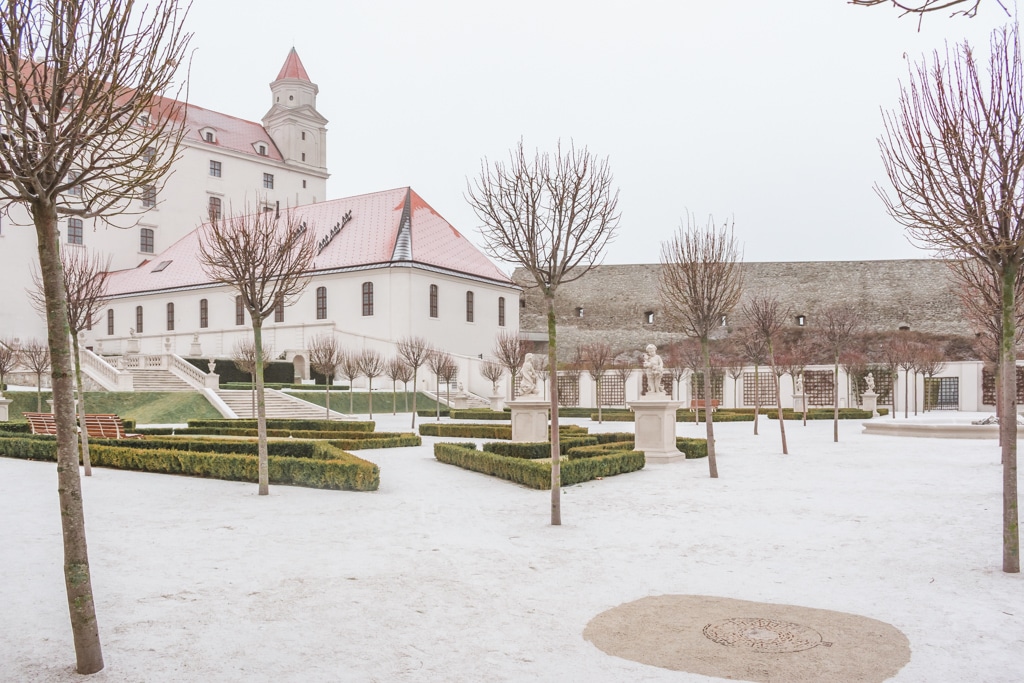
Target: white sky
point(764, 111)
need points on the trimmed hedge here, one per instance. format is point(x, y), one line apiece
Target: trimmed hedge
point(481, 414)
point(694, 448)
point(536, 474)
point(478, 431)
point(16, 427)
point(307, 425)
point(310, 463)
point(821, 414)
point(537, 450)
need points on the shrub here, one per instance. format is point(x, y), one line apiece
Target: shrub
point(480, 414)
point(536, 450)
point(432, 413)
point(536, 474)
point(694, 448)
point(314, 464)
point(470, 431)
point(298, 425)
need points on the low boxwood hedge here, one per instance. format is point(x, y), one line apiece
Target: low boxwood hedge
point(479, 431)
point(295, 425)
point(536, 474)
point(314, 464)
point(481, 414)
point(537, 450)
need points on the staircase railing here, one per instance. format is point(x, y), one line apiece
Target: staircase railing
point(189, 373)
point(105, 374)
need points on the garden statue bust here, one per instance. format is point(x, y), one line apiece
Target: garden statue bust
point(654, 370)
point(528, 385)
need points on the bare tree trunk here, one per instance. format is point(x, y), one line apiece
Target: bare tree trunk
point(261, 410)
point(327, 396)
point(415, 390)
point(1008, 423)
point(895, 386)
point(757, 397)
point(906, 394)
point(597, 394)
point(77, 578)
point(369, 395)
point(835, 398)
point(556, 463)
point(83, 432)
point(709, 419)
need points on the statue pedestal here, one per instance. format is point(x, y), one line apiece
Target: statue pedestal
point(460, 401)
point(496, 403)
point(5, 414)
point(656, 428)
point(529, 420)
point(869, 401)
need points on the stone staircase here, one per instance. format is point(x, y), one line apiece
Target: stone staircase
point(158, 380)
point(472, 400)
point(279, 405)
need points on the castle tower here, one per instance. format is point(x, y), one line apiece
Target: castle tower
point(293, 122)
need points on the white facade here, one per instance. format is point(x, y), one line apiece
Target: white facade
point(236, 162)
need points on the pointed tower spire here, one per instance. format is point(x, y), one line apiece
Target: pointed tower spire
point(293, 68)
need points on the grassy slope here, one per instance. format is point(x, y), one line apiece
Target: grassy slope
point(143, 407)
point(360, 402)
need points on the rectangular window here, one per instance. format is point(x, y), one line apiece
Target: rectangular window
point(367, 298)
point(138, 320)
point(501, 311)
point(204, 313)
point(279, 311)
point(148, 156)
point(215, 168)
point(262, 150)
point(469, 307)
point(149, 196)
point(75, 231)
point(110, 321)
point(170, 317)
point(239, 311)
point(76, 189)
point(268, 181)
point(303, 184)
point(146, 240)
point(433, 301)
point(321, 303)
point(214, 208)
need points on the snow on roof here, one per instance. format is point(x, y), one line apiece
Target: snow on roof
point(293, 68)
point(368, 237)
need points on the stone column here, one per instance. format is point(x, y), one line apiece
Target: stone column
point(529, 420)
point(656, 428)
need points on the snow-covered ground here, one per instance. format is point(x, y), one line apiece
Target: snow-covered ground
point(448, 575)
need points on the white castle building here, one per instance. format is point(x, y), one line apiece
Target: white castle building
point(388, 265)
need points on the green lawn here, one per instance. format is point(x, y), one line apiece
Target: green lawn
point(361, 403)
point(142, 406)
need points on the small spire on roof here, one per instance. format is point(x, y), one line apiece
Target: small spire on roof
point(293, 68)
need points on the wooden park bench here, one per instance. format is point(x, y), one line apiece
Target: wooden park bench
point(699, 404)
point(96, 426)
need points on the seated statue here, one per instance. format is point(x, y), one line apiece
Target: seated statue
point(654, 370)
point(528, 385)
point(870, 381)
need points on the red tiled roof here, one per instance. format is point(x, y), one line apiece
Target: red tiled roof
point(367, 239)
point(229, 132)
point(293, 68)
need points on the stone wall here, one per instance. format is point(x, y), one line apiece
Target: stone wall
point(615, 299)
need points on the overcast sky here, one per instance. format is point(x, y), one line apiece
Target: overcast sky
point(764, 111)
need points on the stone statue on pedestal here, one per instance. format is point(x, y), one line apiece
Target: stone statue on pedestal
point(654, 370)
point(528, 385)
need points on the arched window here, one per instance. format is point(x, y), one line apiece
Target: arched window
point(501, 311)
point(239, 311)
point(279, 310)
point(321, 303)
point(170, 317)
point(367, 298)
point(138, 319)
point(110, 321)
point(204, 313)
point(469, 307)
point(433, 301)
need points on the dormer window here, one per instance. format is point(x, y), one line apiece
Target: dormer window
point(209, 135)
point(261, 150)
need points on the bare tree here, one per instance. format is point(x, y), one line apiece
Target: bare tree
point(79, 78)
point(350, 369)
point(678, 369)
point(700, 284)
point(906, 364)
point(8, 360)
point(36, 357)
point(598, 357)
point(244, 356)
point(414, 351)
point(891, 357)
point(266, 258)
point(752, 349)
point(437, 362)
point(733, 367)
point(449, 373)
point(492, 371)
point(766, 317)
point(954, 153)
point(967, 8)
point(397, 370)
point(554, 217)
point(510, 352)
point(324, 356)
point(837, 325)
point(85, 281)
point(371, 364)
